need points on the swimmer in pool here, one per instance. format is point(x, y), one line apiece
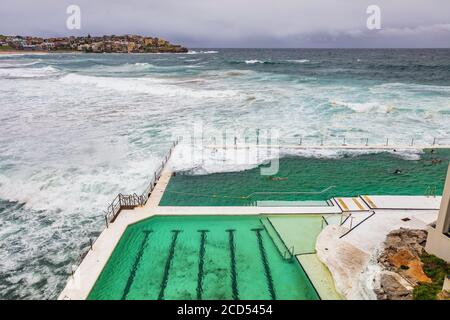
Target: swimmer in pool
point(277, 179)
point(435, 161)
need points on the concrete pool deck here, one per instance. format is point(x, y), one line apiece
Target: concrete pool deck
point(351, 256)
point(83, 279)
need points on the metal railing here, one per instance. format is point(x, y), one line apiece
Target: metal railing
point(326, 141)
point(351, 229)
point(430, 191)
point(343, 141)
point(134, 200)
point(122, 202)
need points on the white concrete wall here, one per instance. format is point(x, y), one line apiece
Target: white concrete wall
point(437, 242)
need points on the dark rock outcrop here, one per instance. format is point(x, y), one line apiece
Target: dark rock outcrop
point(402, 268)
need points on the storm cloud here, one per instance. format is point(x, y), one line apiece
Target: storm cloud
point(241, 23)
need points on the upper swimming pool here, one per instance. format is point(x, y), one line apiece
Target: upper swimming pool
point(313, 180)
point(207, 257)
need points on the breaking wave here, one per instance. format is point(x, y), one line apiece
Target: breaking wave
point(146, 85)
point(367, 107)
point(202, 52)
point(29, 73)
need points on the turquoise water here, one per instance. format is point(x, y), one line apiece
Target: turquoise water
point(208, 257)
point(372, 174)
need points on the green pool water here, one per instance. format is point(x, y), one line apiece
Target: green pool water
point(372, 174)
point(207, 257)
point(298, 232)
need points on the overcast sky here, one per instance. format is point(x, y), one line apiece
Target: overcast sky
point(241, 23)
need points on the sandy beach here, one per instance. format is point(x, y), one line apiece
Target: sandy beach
point(20, 52)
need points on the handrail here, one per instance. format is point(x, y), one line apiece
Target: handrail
point(134, 200)
point(344, 141)
point(345, 220)
point(122, 201)
point(373, 213)
point(430, 191)
point(350, 142)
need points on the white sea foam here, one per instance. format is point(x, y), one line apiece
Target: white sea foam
point(122, 68)
point(299, 61)
point(366, 107)
point(152, 86)
point(25, 73)
point(17, 64)
point(253, 61)
point(144, 64)
point(202, 52)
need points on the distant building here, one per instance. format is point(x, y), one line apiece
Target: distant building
point(162, 42)
point(29, 47)
point(438, 241)
point(131, 46)
point(119, 44)
point(148, 41)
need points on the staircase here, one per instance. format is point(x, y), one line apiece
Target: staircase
point(128, 202)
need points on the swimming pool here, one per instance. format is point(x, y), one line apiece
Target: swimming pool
point(312, 181)
point(201, 257)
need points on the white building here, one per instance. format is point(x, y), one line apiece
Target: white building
point(438, 241)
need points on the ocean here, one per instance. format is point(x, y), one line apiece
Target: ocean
point(76, 129)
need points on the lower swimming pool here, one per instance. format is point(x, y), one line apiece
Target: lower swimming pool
point(201, 257)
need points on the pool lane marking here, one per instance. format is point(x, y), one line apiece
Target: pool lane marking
point(343, 205)
point(168, 264)
point(201, 262)
point(266, 265)
point(234, 285)
point(137, 260)
point(370, 202)
point(355, 200)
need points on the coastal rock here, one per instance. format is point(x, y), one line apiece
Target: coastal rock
point(393, 287)
point(400, 261)
point(345, 262)
point(389, 273)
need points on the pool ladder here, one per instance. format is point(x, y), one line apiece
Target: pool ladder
point(430, 191)
point(288, 254)
point(285, 252)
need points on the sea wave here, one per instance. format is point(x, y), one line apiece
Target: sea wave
point(29, 73)
point(147, 85)
point(18, 64)
point(202, 52)
point(298, 61)
point(366, 107)
point(271, 62)
point(254, 61)
point(122, 68)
